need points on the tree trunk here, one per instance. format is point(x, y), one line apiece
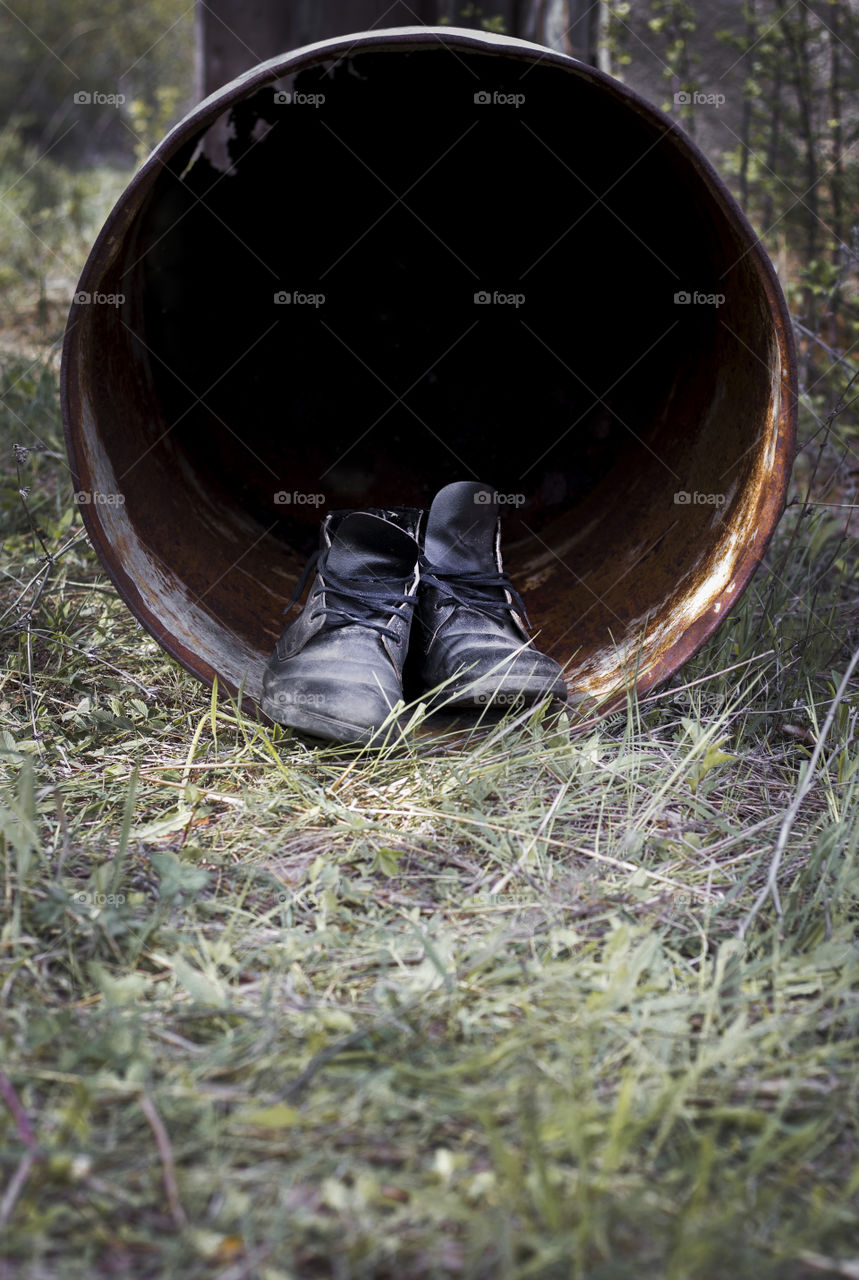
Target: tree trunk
point(572, 26)
point(798, 36)
point(746, 121)
point(836, 179)
point(773, 138)
point(233, 35)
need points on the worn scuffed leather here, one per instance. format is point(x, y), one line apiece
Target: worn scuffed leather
point(339, 679)
point(469, 628)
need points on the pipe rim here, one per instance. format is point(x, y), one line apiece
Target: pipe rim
point(696, 634)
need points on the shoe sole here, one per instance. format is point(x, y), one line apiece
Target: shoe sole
point(325, 727)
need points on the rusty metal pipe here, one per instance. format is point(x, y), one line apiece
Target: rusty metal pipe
point(644, 442)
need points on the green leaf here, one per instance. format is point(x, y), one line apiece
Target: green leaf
point(121, 991)
point(176, 878)
point(388, 861)
point(278, 1116)
point(713, 757)
point(175, 820)
point(201, 988)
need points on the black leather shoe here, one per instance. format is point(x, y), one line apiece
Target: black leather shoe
point(336, 671)
point(471, 625)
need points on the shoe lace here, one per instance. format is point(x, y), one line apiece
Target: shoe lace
point(474, 590)
point(364, 598)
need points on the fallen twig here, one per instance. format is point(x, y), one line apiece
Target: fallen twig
point(165, 1151)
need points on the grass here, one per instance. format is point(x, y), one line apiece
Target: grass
point(499, 1006)
point(49, 215)
point(512, 1003)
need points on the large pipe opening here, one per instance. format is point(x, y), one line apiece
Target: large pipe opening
point(482, 244)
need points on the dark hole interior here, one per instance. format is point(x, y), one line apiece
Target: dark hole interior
point(400, 198)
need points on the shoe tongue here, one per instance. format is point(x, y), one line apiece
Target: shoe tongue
point(461, 528)
point(366, 546)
